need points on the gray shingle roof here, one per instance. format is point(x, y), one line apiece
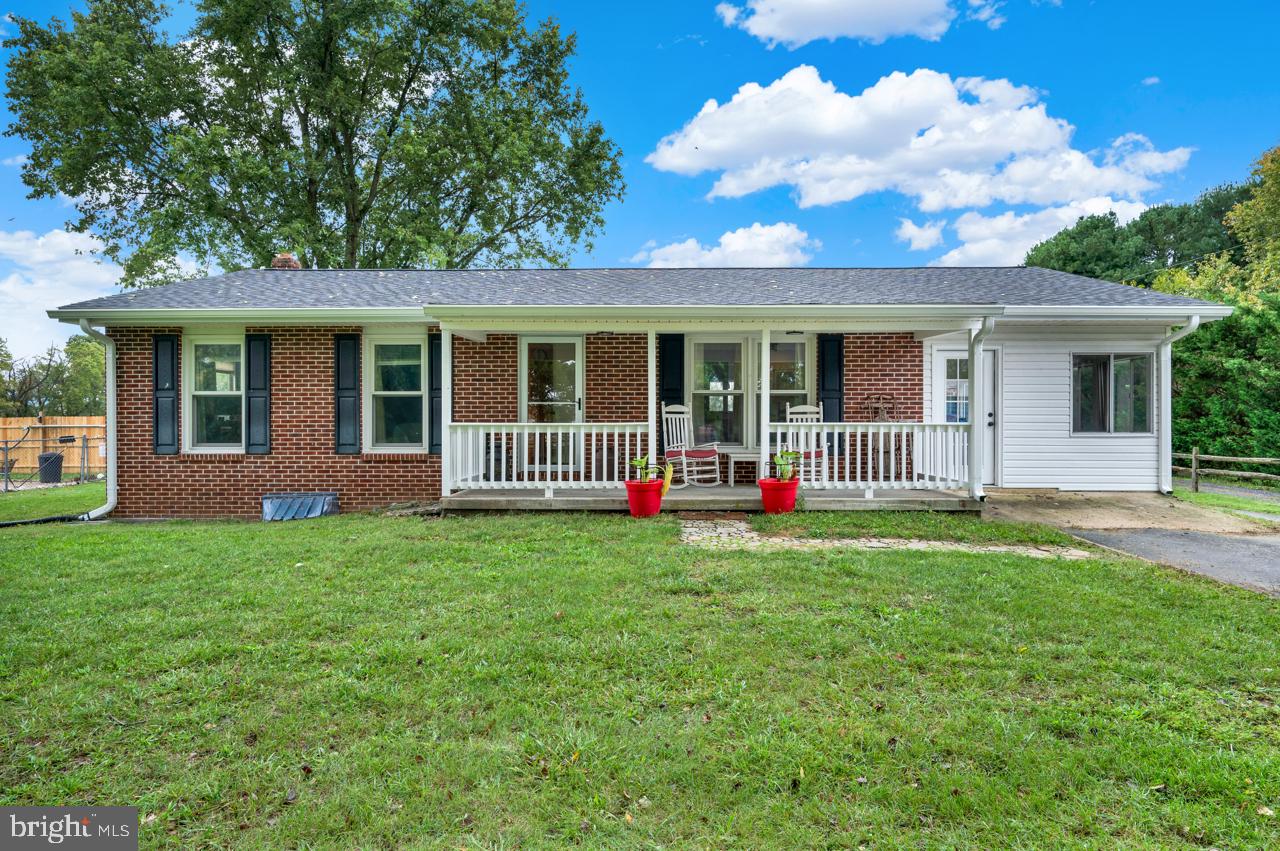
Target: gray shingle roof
point(272, 288)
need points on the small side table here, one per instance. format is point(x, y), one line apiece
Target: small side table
point(742, 455)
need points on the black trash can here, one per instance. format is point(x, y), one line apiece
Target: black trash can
point(50, 468)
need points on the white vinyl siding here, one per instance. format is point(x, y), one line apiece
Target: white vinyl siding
point(1038, 448)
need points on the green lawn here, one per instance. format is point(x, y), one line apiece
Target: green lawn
point(926, 525)
point(49, 502)
point(532, 681)
point(1228, 502)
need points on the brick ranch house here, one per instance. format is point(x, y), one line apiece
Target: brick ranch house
point(532, 388)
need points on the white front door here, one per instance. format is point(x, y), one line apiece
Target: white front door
point(951, 399)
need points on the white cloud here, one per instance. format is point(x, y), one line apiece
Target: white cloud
point(1150, 81)
point(781, 244)
point(797, 22)
point(949, 143)
point(920, 237)
point(41, 272)
point(16, 160)
point(1004, 240)
point(986, 11)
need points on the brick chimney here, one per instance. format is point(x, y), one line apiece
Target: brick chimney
point(285, 260)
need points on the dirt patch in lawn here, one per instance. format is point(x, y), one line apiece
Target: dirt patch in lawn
point(1079, 510)
point(721, 534)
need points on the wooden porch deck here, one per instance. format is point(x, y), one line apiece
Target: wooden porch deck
point(719, 498)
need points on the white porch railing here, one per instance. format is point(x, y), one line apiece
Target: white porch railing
point(867, 456)
point(877, 456)
point(543, 455)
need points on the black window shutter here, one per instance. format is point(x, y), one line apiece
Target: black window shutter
point(434, 394)
point(346, 393)
point(257, 394)
point(670, 371)
point(164, 383)
point(831, 376)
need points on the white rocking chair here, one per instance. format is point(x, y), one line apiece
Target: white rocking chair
point(698, 465)
point(813, 453)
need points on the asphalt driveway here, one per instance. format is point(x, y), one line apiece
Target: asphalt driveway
point(1251, 561)
point(1225, 546)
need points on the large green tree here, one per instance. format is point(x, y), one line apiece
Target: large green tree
point(1227, 375)
point(364, 133)
point(70, 381)
point(1223, 247)
point(1162, 237)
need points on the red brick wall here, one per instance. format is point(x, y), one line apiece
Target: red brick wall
point(485, 389)
point(302, 456)
point(876, 364)
point(616, 370)
point(486, 379)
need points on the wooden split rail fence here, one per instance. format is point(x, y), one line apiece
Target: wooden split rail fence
point(1197, 471)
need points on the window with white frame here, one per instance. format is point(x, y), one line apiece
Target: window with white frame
point(397, 399)
point(718, 391)
point(955, 389)
point(216, 393)
point(1111, 393)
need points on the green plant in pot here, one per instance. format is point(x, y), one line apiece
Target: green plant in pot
point(646, 490)
point(778, 492)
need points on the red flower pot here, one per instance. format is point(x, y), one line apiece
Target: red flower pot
point(778, 497)
point(644, 498)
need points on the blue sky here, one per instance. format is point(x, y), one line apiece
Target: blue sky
point(844, 132)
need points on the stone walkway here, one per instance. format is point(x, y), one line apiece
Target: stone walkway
point(726, 534)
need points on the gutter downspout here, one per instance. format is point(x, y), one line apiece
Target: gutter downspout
point(1165, 351)
point(977, 404)
point(110, 346)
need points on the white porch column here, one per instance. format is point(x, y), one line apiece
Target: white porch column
point(1164, 425)
point(1164, 417)
point(652, 355)
point(446, 409)
point(977, 407)
point(764, 403)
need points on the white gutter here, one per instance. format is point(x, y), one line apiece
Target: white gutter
point(241, 315)
point(1130, 312)
point(110, 345)
point(977, 405)
point(1164, 350)
point(743, 312)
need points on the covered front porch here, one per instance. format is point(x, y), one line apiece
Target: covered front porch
point(566, 452)
point(719, 498)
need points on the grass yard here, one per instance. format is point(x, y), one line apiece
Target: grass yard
point(533, 681)
point(1228, 502)
point(927, 525)
point(49, 502)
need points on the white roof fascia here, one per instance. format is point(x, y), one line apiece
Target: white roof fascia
point(484, 316)
point(627, 312)
point(1128, 313)
point(245, 316)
